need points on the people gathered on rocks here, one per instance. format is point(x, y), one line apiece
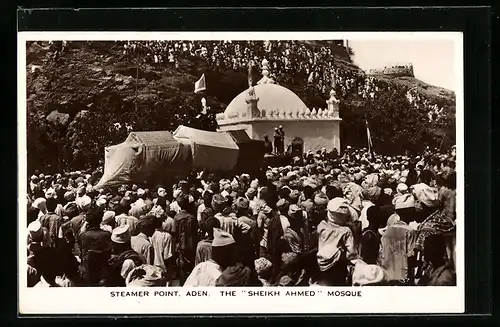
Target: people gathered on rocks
point(356, 219)
point(316, 67)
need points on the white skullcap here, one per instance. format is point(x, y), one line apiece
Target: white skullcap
point(402, 187)
point(83, 202)
point(34, 226)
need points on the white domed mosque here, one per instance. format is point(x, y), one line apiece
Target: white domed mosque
point(261, 108)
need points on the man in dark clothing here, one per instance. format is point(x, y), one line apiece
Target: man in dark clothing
point(76, 225)
point(334, 154)
point(293, 244)
point(437, 272)
point(247, 243)
point(68, 263)
point(307, 205)
point(95, 249)
point(276, 244)
point(268, 146)
point(370, 240)
point(123, 258)
point(186, 227)
point(43, 262)
point(237, 275)
point(281, 143)
point(51, 221)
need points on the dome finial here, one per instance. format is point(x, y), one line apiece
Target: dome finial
point(265, 73)
point(265, 67)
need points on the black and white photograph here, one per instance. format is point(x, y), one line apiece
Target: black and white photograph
point(180, 165)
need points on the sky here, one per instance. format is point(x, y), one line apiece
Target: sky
point(433, 60)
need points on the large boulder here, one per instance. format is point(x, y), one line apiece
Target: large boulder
point(58, 118)
point(81, 114)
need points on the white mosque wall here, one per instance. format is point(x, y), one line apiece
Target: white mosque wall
point(316, 134)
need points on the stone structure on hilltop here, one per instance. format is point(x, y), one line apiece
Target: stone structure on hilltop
point(396, 70)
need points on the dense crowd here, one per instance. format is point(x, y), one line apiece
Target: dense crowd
point(358, 219)
point(290, 62)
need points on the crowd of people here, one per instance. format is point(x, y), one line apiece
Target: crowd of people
point(324, 219)
point(291, 62)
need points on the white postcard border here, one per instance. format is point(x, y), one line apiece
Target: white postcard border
point(372, 299)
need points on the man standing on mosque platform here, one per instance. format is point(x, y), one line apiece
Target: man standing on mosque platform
point(281, 142)
point(276, 141)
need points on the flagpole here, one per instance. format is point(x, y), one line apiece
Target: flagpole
point(136, 77)
point(369, 139)
point(441, 144)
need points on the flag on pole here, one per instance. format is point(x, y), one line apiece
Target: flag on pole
point(369, 137)
point(200, 85)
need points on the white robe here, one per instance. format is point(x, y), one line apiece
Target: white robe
point(204, 274)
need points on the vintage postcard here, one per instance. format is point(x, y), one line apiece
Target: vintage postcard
point(235, 172)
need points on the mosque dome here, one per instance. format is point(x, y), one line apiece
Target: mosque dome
point(272, 98)
point(270, 101)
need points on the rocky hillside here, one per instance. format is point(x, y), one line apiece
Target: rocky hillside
point(83, 96)
point(431, 92)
